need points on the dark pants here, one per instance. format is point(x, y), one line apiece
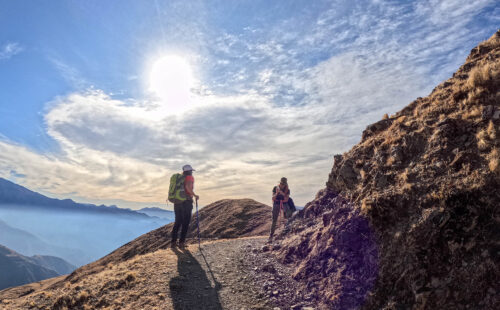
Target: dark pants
point(276, 212)
point(182, 218)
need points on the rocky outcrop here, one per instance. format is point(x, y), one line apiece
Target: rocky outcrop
point(426, 181)
point(335, 251)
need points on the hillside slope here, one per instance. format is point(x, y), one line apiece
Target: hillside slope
point(228, 218)
point(57, 264)
point(32, 224)
point(21, 241)
point(421, 227)
point(143, 267)
point(16, 269)
point(224, 274)
point(28, 244)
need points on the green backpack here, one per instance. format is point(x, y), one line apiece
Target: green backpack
point(176, 192)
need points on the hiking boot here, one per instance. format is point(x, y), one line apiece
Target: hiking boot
point(182, 245)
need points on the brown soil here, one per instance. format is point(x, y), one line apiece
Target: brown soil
point(224, 274)
point(421, 227)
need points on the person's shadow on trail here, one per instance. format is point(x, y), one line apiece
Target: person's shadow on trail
point(192, 289)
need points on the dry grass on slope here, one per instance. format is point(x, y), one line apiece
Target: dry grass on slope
point(225, 274)
point(129, 277)
point(228, 218)
point(133, 284)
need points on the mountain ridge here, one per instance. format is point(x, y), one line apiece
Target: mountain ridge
point(44, 217)
point(29, 244)
point(158, 212)
point(13, 194)
point(17, 269)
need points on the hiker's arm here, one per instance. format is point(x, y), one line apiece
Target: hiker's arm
point(189, 190)
point(275, 193)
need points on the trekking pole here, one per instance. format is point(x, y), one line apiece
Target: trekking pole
point(198, 224)
point(282, 211)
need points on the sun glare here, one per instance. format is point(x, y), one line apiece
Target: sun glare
point(171, 80)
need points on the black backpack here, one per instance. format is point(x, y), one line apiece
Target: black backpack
point(291, 204)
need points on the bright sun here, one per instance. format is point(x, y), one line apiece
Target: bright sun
point(171, 81)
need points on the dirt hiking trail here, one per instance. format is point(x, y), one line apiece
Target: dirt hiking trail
point(224, 274)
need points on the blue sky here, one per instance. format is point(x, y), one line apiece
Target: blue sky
point(276, 88)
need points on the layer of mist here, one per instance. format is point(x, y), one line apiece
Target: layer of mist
point(78, 237)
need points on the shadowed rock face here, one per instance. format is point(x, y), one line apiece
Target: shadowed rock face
point(336, 249)
point(426, 180)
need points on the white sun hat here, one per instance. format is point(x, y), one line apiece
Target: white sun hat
point(187, 168)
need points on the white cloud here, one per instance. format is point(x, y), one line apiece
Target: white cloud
point(239, 145)
point(9, 50)
point(279, 102)
point(99, 175)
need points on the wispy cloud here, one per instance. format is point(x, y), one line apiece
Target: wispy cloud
point(418, 36)
point(9, 50)
point(71, 74)
point(276, 101)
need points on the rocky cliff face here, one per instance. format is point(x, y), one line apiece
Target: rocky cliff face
point(419, 217)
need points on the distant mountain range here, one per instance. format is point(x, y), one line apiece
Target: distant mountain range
point(158, 212)
point(12, 194)
point(17, 269)
point(31, 223)
point(27, 243)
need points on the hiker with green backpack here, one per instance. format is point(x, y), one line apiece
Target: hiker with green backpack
point(181, 193)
